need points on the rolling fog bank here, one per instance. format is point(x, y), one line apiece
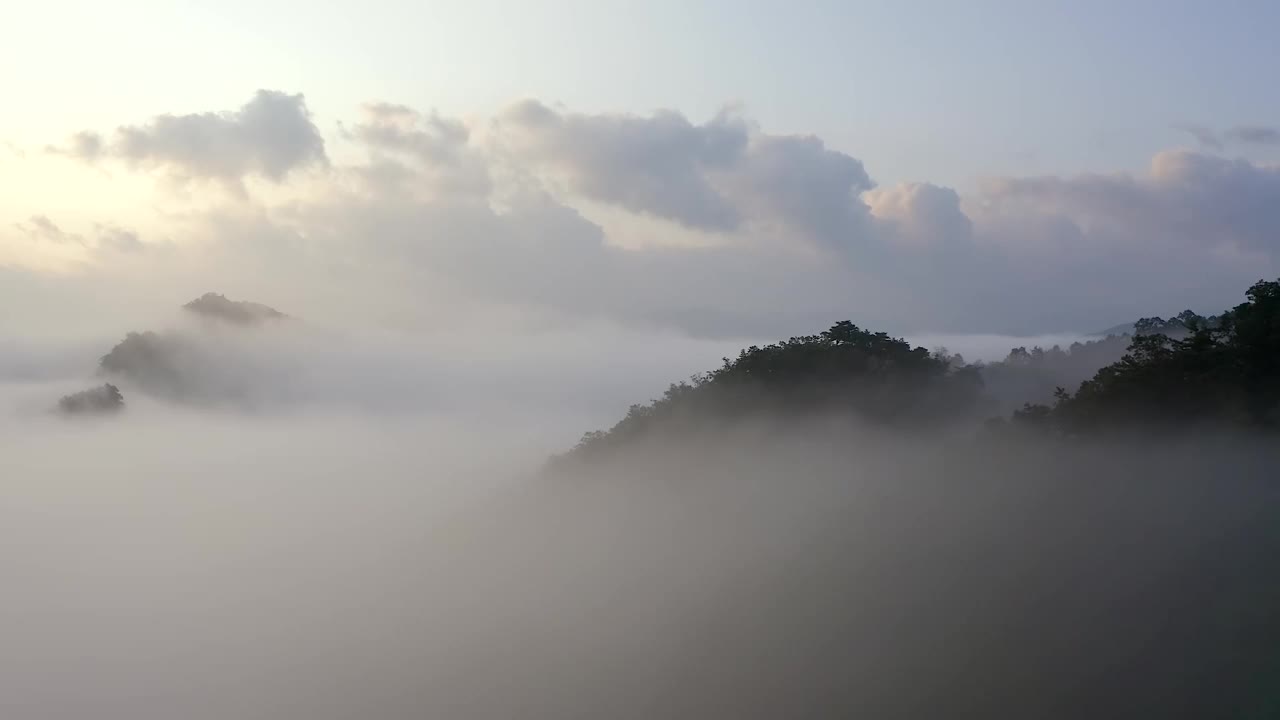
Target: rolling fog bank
point(288, 521)
point(191, 564)
point(814, 572)
point(575, 360)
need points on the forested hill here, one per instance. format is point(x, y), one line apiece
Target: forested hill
point(1034, 375)
point(1222, 372)
point(1176, 326)
point(844, 369)
point(1185, 372)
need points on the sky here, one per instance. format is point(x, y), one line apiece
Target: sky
point(728, 170)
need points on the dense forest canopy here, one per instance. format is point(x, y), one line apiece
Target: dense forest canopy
point(104, 399)
point(240, 312)
point(1221, 371)
point(842, 369)
point(1184, 372)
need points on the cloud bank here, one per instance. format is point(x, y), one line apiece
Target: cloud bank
point(168, 564)
point(269, 136)
point(718, 228)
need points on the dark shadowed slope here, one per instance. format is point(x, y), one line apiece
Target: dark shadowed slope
point(844, 371)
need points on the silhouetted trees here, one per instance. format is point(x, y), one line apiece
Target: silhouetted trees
point(843, 370)
point(1178, 326)
point(1222, 371)
point(104, 399)
point(239, 312)
point(1183, 373)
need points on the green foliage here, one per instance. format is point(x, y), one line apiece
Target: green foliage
point(1185, 372)
point(843, 370)
point(1221, 371)
point(1182, 324)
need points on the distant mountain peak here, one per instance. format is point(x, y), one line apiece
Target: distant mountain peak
point(240, 312)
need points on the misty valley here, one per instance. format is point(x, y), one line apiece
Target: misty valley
point(662, 360)
point(243, 520)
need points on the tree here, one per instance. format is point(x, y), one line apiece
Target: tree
point(104, 399)
point(842, 370)
point(1218, 370)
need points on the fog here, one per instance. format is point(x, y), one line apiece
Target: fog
point(992, 348)
point(348, 522)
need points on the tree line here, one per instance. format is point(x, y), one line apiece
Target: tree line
point(1186, 372)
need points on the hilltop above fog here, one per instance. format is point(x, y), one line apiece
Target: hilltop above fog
point(218, 307)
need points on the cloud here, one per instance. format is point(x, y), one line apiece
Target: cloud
point(1254, 135)
point(1194, 229)
point(119, 239)
point(39, 244)
point(797, 183)
point(269, 136)
point(720, 176)
point(40, 228)
point(1203, 135)
point(327, 566)
point(411, 148)
point(657, 165)
point(1238, 135)
point(439, 221)
point(85, 145)
point(921, 213)
point(1186, 201)
point(431, 138)
point(105, 237)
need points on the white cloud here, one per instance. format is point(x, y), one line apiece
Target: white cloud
point(40, 228)
point(411, 150)
point(268, 137)
point(920, 213)
point(657, 165)
point(441, 217)
point(721, 176)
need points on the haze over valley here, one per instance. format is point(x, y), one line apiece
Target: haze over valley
point(602, 360)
